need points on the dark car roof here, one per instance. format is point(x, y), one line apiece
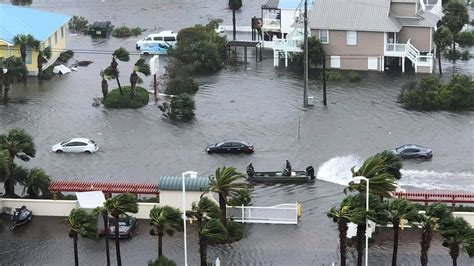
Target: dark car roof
point(235, 140)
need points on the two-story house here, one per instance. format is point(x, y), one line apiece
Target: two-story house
point(48, 28)
point(375, 34)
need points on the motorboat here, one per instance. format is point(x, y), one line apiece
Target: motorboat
point(282, 177)
point(20, 216)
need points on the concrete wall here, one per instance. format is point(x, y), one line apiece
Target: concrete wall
point(403, 9)
point(63, 207)
point(419, 36)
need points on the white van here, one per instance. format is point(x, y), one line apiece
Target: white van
point(165, 37)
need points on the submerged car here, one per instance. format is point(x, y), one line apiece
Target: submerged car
point(76, 145)
point(127, 226)
point(413, 151)
point(230, 146)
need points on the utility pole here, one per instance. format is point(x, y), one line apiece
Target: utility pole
point(305, 46)
point(324, 82)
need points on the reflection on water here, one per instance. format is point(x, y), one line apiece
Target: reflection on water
point(259, 104)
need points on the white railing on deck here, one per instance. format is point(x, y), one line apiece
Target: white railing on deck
point(278, 214)
point(271, 23)
point(287, 45)
point(395, 47)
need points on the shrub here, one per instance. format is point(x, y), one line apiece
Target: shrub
point(124, 32)
point(466, 38)
point(149, 199)
point(79, 24)
point(116, 100)
point(179, 86)
point(181, 108)
point(235, 230)
point(449, 54)
point(465, 55)
point(332, 76)
point(354, 76)
point(48, 73)
point(162, 261)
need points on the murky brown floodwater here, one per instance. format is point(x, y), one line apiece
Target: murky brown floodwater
point(259, 104)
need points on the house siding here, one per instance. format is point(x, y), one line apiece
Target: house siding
point(403, 9)
point(355, 57)
point(418, 36)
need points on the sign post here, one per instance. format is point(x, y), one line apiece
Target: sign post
point(154, 66)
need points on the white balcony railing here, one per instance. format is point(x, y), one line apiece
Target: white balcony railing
point(287, 45)
point(395, 47)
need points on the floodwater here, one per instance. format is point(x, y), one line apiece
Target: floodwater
point(257, 103)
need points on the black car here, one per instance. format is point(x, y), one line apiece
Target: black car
point(126, 227)
point(230, 146)
point(413, 151)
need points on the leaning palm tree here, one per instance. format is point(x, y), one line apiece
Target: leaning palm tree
point(118, 206)
point(234, 5)
point(105, 219)
point(428, 223)
point(79, 222)
point(18, 144)
point(43, 56)
point(224, 183)
point(163, 220)
point(4, 164)
point(35, 183)
point(112, 71)
point(14, 70)
point(458, 237)
point(104, 85)
point(206, 212)
point(342, 215)
point(141, 67)
point(442, 38)
point(393, 163)
point(396, 212)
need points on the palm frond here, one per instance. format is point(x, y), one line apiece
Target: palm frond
point(122, 54)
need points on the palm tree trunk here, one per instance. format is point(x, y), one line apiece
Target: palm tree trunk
point(203, 250)
point(360, 243)
point(454, 48)
point(106, 232)
point(133, 87)
point(233, 24)
point(395, 242)
point(76, 255)
point(117, 239)
point(454, 253)
point(438, 54)
point(222, 206)
point(105, 89)
point(426, 237)
point(118, 83)
point(160, 244)
point(342, 226)
point(5, 92)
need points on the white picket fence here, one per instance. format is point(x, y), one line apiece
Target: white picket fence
point(287, 213)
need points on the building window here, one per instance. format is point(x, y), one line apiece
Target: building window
point(335, 61)
point(351, 37)
point(49, 41)
point(29, 56)
point(324, 36)
point(62, 32)
point(372, 63)
point(55, 37)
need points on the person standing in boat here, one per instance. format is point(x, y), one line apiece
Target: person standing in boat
point(250, 170)
point(287, 171)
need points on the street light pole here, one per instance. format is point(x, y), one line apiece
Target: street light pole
point(357, 180)
point(305, 46)
point(191, 174)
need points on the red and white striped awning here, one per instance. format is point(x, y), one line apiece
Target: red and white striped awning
point(106, 187)
point(436, 196)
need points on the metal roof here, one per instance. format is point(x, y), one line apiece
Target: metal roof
point(360, 15)
point(107, 187)
point(175, 183)
point(22, 20)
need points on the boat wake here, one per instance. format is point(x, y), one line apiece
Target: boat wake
point(338, 170)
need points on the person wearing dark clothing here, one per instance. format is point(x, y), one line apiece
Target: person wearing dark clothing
point(288, 166)
point(250, 170)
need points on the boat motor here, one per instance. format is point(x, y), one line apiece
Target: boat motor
point(310, 172)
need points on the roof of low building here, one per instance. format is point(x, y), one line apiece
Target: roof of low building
point(359, 15)
point(284, 4)
point(108, 187)
point(175, 183)
point(22, 20)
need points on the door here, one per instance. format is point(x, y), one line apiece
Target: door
point(410, 153)
point(237, 147)
point(70, 147)
point(226, 147)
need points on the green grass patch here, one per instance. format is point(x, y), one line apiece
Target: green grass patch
point(116, 100)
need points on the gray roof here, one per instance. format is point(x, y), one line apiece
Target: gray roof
point(175, 183)
point(423, 19)
point(360, 15)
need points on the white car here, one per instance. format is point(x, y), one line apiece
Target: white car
point(76, 145)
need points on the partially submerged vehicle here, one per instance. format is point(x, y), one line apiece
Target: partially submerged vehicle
point(20, 216)
point(100, 29)
point(413, 151)
point(127, 226)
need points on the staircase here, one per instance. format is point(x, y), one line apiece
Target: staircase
point(418, 60)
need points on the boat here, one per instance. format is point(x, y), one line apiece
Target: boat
point(20, 216)
point(279, 177)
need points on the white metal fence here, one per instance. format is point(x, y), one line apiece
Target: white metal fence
point(287, 213)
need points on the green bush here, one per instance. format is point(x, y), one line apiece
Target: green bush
point(466, 38)
point(162, 261)
point(124, 32)
point(79, 24)
point(332, 76)
point(449, 54)
point(149, 199)
point(48, 73)
point(429, 94)
point(179, 86)
point(465, 55)
point(235, 230)
point(116, 100)
point(181, 108)
point(353, 76)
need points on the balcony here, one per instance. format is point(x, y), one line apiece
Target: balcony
point(395, 49)
point(271, 24)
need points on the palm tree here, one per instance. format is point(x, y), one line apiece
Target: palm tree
point(43, 56)
point(206, 212)
point(234, 5)
point(140, 67)
point(428, 222)
point(18, 144)
point(104, 85)
point(112, 71)
point(224, 183)
point(392, 163)
point(163, 220)
point(36, 183)
point(118, 206)
point(455, 17)
point(25, 41)
point(14, 70)
point(105, 218)
point(397, 211)
point(4, 164)
point(458, 237)
point(162, 261)
point(342, 215)
point(79, 222)
point(442, 38)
